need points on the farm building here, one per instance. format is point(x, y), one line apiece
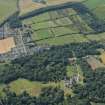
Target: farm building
point(103, 57)
point(94, 63)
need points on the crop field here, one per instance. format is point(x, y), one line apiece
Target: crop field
point(58, 27)
point(7, 7)
point(29, 5)
point(6, 45)
point(54, 2)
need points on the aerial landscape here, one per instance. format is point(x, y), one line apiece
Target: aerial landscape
point(52, 52)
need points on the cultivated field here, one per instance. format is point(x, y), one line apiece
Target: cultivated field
point(7, 7)
point(64, 26)
point(28, 5)
point(6, 45)
point(58, 27)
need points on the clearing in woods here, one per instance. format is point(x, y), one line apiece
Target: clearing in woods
point(33, 88)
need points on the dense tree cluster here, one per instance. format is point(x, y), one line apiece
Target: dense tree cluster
point(48, 96)
point(14, 21)
point(50, 65)
point(46, 65)
point(94, 88)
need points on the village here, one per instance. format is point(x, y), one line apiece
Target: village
point(15, 43)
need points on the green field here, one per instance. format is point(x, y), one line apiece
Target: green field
point(7, 7)
point(57, 28)
point(98, 104)
point(33, 88)
point(97, 7)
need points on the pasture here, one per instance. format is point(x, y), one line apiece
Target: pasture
point(63, 26)
point(97, 7)
point(7, 8)
point(33, 88)
point(58, 27)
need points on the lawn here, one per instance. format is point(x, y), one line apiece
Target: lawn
point(7, 7)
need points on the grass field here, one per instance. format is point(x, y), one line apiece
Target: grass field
point(64, 40)
point(98, 103)
point(7, 7)
point(33, 88)
point(57, 28)
point(97, 7)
